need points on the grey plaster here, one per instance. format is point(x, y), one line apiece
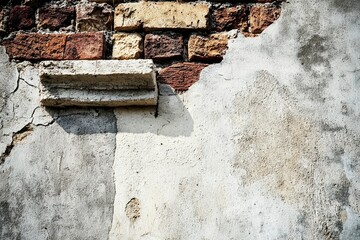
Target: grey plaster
point(274, 146)
point(57, 183)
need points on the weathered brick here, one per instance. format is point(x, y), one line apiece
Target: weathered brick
point(92, 17)
point(163, 46)
point(127, 46)
point(85, 46)
point(208, 48)
point(107, 1)
point(54, 18)
point(181, 76)
point(33, 3)
point(21, 18)
point(267, 1)
point(36, 46)
point(161, 15)
point(261, 17)
point(3, 14)
point(228, 18)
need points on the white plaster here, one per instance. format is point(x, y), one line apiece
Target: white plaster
point(254, 150)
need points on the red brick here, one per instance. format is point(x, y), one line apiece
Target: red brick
point(36, 46)
point(261, 17)
point(228, 18)
point(163, 46)
point(181, 76)
point(54, 17)
point(85, 46)
point(21, 18)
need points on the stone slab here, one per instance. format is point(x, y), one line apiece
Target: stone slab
point(108, 83)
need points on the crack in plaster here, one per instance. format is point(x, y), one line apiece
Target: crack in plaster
point(16, 138)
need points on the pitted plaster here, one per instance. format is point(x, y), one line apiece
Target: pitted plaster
point(273, 146)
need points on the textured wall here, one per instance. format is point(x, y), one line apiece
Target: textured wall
point(168, 32)
point(266, 145)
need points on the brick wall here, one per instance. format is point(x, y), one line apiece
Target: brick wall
point(181, 37)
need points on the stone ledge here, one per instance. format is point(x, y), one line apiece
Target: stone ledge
point(98, 83)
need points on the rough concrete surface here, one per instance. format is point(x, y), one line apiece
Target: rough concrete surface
point(266, 145)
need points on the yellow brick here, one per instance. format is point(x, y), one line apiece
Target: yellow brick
point(160, 15)
point(209, 48)
point(127, 46)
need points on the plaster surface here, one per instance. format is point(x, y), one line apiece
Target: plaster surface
point(266, 145)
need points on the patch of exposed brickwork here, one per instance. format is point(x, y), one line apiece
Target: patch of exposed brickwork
point(182, 37)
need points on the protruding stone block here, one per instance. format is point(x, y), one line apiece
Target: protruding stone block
point(161, 15)
point(127, 46)
point(107, 83)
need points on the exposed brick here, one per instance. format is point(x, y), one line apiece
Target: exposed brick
point(33, 3)
point(3, 14)
point(107, 1)
point(92, 17)
point(54, 17)
point(161, 15)
point(267, 1)
point(181, 76)
point(164, 46)
point(21, 18)
point(85, 46)
point(261, 17)
point(127, 46)
point(208, 48)
point(228, 18)
point(36, 46)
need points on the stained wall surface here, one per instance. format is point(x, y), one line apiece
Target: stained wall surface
point(266, 145)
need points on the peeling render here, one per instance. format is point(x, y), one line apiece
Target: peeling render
point(266, 145)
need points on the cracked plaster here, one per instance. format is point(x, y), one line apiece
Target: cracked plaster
point(264, 146)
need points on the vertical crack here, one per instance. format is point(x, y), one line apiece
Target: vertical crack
point(113, 173)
